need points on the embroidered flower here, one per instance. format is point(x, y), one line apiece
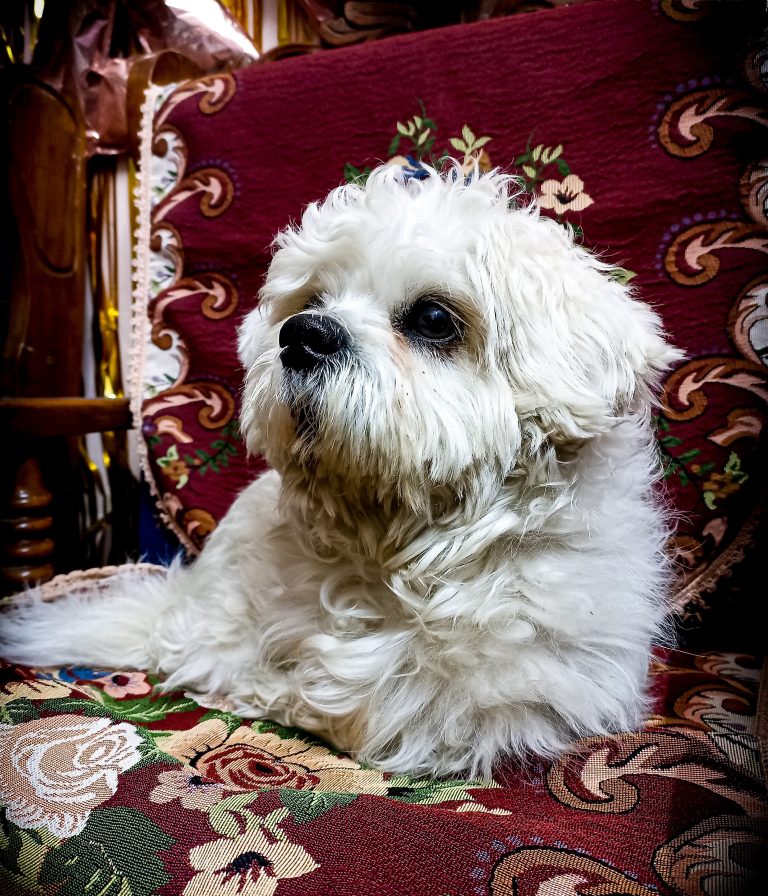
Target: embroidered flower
point(565, 195)
point(189, 787)
point(249, 865)
point(54, 771)
point(173, 467)
point(124, 684)
point(721, 484)
point(248, 759)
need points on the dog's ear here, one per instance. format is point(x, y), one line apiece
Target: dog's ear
point(629, 349)
point(606, 356)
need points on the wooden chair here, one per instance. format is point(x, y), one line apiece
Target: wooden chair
point(42, 411)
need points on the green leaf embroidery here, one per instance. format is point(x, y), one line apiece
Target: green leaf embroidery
point(529, 170)
point(74, 705)
point(141, 709)
point(406, 790)
point(18, 711)
point(22, 852)
point(622, 275)
point(115, 855)
point(230, 719)
point(307, 805)
point(147, 709)
point(733, 466)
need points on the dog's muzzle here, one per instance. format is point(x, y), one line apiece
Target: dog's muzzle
point(309, 340)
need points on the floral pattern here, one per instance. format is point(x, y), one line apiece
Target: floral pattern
point(251, 757)
point(59, 769)
point(189, 787)
point(252, 865)
point(565, 195)
point(561, 195)
point(157, 795)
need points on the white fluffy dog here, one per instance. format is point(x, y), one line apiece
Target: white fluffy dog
point(457, 557)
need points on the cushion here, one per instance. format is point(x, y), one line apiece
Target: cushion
point(631, 122)
point(112, 788)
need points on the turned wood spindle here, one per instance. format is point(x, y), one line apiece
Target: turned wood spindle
point(27, 544)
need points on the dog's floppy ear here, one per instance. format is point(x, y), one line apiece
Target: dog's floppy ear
point(606, 357)
point(631, 349)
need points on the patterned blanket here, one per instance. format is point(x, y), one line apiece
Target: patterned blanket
point(113, 789)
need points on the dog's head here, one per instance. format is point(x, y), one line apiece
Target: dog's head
point(424, 335)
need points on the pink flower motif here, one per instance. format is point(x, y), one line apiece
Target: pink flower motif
point(124, 684)
point(191, 789)
point(565, 195)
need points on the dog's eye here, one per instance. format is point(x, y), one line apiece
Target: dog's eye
point(431, 321)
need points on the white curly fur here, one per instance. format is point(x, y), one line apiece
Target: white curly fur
point(461, 559)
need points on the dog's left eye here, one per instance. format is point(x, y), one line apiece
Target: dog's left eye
point(431, 321)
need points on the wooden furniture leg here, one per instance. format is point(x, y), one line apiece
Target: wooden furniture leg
point(27, 529)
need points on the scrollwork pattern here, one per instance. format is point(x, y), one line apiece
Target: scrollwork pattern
point(747, 321)
point(753, 191)
point(214, 93)
point(684, 10)
point(217, 403)
point(712, 857)
point(169, 391)
point(684, 396)
point(219, 300)
point(552, 871)
point(692, 259)
point(685, 130)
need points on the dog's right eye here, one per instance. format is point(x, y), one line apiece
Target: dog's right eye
point(430, 321)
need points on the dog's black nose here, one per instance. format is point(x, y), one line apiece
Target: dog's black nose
point(310, 339)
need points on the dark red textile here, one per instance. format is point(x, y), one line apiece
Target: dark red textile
point(126, 792)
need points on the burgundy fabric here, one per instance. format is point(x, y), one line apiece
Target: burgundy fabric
point(112, 790)
point(656, 122)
